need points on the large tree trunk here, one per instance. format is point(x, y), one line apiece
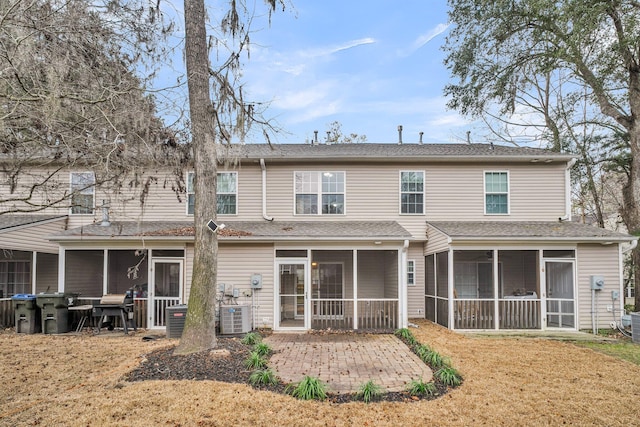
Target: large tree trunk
point(199, 329)
point(631, 209)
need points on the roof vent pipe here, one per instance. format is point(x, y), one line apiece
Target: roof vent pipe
point(315, 137)
point(399, 134)
point(328, 137)
point(421, 133)
point(469, 137)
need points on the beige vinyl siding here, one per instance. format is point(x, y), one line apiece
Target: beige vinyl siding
point(436, 241)
point(189, 251)
point(456, 192)
point(415, 294)
point(236, 264)
point(599, 260)
point(32, 237)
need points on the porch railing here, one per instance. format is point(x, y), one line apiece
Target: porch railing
point(512, 314)
point(7, 313)
point(473, 314)
point(520, 314)
point(339, 314)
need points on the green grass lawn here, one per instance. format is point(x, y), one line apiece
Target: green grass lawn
point(623, 349)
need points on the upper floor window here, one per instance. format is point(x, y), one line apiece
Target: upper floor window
point(496, 193)
point(227, 193)
point(82, 192)
point(319, 193)
point(412, 192)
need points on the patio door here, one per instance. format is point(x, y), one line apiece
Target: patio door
point(292, 298)
point(165, 290)
point(560, 305)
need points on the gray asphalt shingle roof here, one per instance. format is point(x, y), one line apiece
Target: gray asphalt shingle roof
point(245, 230)
point(370, 151)
point(527, 230)
point(15, 220)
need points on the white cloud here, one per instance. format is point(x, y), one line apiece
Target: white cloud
point(330, 50)
point(423, 39)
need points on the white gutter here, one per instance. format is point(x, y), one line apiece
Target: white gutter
point(264, 191)
point(567, 193)
point(634, 243)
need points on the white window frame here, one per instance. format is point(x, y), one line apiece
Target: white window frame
point(507, 193)
point(411, 272)
point(318, 192)
point(421, 172)
point(191, 191)
point(84, 190)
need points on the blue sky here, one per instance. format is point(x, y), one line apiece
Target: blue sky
point(369, 65)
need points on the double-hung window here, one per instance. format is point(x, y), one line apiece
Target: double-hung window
point(319, 193)
point(226, 192)
point(412, 192)
point(496, 193)
point(82, 193)
point(411, 272)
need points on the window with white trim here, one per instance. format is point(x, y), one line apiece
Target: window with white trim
point(83, 192)
point(412, 192)
point(319, 193)
point(411, 272)
point(496, 193)
point(226, 192)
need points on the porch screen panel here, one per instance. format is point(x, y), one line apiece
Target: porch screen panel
point(46, 272)
point(84, 273)
point(442, 269)
point(127, 270)
point(430, 275)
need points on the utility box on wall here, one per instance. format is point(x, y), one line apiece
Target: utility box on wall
point(597, 283)
point(256, 281)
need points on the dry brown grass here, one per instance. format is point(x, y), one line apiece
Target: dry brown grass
point(77, 380)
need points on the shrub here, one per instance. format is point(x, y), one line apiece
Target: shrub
point(263, 377)
point(262, 349)
point(435, 360)
point(406, 335)
point(255, 361)
point(369, 391)
point(310, 388)
point(423, 350)
point(251, 338)
point(449, 376)
point(420, 388)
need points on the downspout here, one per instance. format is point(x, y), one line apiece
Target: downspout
point(634, 244)
point(404, 316)
point(567, 190)
point(264, 191)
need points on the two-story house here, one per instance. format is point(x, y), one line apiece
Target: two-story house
point(349, 236)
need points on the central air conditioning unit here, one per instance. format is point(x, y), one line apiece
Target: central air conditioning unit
point(235, 319)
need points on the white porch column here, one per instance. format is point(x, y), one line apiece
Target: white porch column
point(61, 268)
point(34, 262)
point(450, 289)
point(403, 305)
point(355, 289)
point(496, 290)
point(105, 270)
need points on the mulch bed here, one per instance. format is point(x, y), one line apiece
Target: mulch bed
point(218, 365)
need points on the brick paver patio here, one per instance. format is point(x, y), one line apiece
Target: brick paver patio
point(346, 361)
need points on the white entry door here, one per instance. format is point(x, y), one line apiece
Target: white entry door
point(165, 290)
point(292, 299)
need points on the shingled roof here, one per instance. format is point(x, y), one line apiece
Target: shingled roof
point(9, 221)
point(242, 230)
point(384, 152)
point(530, 230)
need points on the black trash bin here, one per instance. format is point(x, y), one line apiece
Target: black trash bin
point(55, 311)
point(27, 313)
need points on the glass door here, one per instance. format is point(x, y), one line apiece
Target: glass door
point(292, 295)
point(560, 294)
point(165, 290)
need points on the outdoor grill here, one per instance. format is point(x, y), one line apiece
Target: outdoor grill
point(115, 305)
